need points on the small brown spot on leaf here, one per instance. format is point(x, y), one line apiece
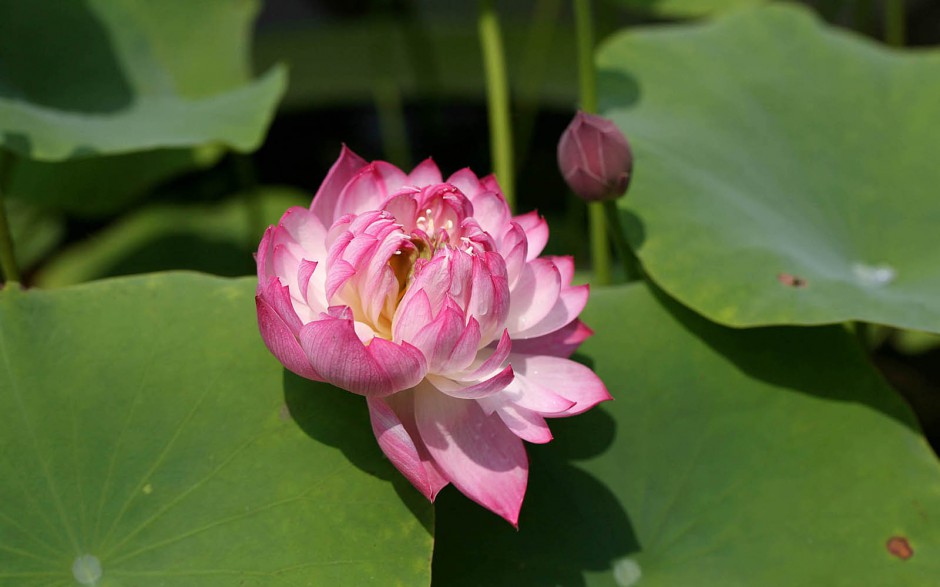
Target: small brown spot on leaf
point(900, 547)
point(791, 280)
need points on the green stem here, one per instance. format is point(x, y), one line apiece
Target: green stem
point(587, 78)
point(894, 22)
point(392, 127)
point(587, 75)
point(539, 42)
point(424, 61)
point(600, 248)
point(632, 270)
point(386, 95)
point(7, 259)
point(497, 98)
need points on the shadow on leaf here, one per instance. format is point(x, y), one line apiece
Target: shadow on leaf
point(617, 89)
point(340, 419)
point(571, 523)
point(829, 357)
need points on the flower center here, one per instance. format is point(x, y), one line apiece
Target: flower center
point(438, 211)
point(403, 266)
point(422, 245)
point(418, 225)
point(426, 224)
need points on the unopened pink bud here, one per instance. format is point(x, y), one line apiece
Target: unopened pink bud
point(595, 158)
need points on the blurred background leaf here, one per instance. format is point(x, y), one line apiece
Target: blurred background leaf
point(915, 342)
point(113, 76)
point(106, 99)
point(97, 186)
point(686, 8)
point(36, 232)
point(213, 238)
point(447, 66)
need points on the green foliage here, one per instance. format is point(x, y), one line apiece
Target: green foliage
point(145, 424)
point(214, 238)
point(785, 175)
point(104, 100)
point(424, 60)
point(113, 76)
point(686, 8)
point(785, 172)
point(772, 456)
point(915, 342)
point(35, 232)
point(97, 186)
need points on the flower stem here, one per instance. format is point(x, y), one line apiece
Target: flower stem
point(386, 95)
point(393, 129)
point(7, 258)
point(632, 270)
point(587, 78)
point(539, 40)
point(600, 247)
point(894, 22)
point(587, 75)
point(497, 98)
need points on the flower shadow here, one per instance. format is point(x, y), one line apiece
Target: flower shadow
point(340, 419)
point(617, 89)
point(571, 523)
point(821, 361)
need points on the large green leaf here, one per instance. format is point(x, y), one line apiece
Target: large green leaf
point(785, 171)
point(114, 76)
point(143, 423)
point(771, 457)
point(213, 238)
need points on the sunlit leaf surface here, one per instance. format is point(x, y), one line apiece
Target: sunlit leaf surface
point(147, 436)
point(772, 456)
point(785, 171)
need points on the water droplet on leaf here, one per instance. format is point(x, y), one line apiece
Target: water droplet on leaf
point(627, 572)
point(86, 569)
point(874, 275)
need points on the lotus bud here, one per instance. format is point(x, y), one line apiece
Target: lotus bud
point(595, 158)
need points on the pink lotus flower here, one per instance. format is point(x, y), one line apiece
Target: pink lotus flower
point(427, 297)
